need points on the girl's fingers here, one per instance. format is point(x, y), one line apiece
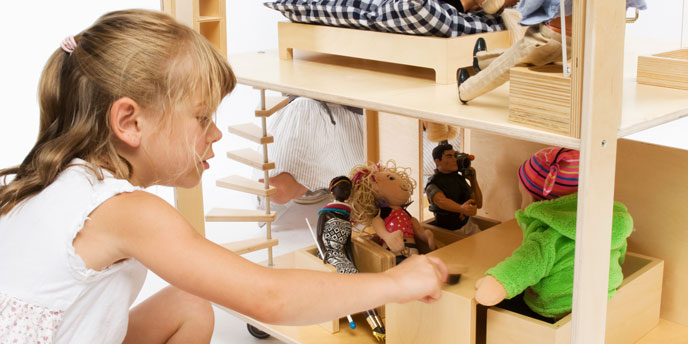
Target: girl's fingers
point(440, 268)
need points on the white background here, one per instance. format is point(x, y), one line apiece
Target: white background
point(32, 30)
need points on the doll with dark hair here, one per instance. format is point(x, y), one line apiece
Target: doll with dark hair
point(334, 237)
point(334, 228)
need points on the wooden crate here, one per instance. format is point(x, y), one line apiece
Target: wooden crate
point(540, 97)
point(444, 55)
point(631, 313)
point(668, 69)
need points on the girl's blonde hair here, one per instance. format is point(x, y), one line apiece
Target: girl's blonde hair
point(363, 199)
point(144, 55)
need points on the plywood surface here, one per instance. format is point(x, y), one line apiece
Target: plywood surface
point(411, 91)
point(652, 181)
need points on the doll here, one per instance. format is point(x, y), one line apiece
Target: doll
point(334, 237)
point(538, 276)
point(379, 197)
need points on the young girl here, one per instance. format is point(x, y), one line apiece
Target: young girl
point(124, 105)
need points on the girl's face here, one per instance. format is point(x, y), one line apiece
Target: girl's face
point(180, 148)
point(392, 188)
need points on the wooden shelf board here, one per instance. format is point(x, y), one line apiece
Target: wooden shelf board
point(250, 157)
point(250, 132)
point(250, 245)
point(244, 184)
point(411, 91)
point(238, 215)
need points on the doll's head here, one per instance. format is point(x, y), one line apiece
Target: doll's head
point(375, 185)
point(550, 173)
point(340, 187)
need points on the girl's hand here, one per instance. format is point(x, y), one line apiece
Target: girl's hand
point(419, 277)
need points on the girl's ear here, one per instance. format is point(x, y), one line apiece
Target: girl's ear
point(125, 121)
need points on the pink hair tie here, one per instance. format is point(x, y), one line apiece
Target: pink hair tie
point(68, 44)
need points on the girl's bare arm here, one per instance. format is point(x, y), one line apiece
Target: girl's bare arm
point(147, 228)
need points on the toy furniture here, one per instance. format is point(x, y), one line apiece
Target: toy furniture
point(606, 106)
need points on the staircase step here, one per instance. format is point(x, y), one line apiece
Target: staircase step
point(238, 215)
point(272, 105)
point(243, 184)
point(251, 132)
point(250, 157)
point(250, 245)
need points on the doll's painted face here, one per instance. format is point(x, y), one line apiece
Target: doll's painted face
point(392, 188)
point(448, 163)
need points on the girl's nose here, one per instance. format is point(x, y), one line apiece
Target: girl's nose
point(214, 134)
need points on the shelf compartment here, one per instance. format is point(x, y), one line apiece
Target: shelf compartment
point(631, 313)
point(443, 55)
point(210, 8)
point(239, 183)
point(250, 132)
point(668, 69)
point(250, 245)
point(250, 157)
point(238, 215)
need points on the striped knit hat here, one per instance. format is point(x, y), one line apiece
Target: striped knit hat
point(550, 173)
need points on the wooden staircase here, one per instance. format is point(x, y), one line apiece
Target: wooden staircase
point(255, 159)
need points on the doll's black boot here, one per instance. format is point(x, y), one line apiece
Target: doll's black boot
point(461, 76)
point(480, 45)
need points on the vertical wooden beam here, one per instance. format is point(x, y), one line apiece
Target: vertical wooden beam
point(189, 202)
point(372, 139)
point(601, 116)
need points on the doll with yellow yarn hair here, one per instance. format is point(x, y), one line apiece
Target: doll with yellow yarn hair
point(379, 197)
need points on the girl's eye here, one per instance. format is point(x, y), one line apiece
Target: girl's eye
point(204, 120)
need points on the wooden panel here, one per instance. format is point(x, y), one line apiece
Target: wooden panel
point(399, 139)
point(453, 320)
point(507, 327)
point(305, 259)
point(444, 55)
point(540, 97)
point(372, 140)
point(497, 160)
point(652, 181)
point(371, 257)
point(189, 202)
point(669, 69)
point(666, 332)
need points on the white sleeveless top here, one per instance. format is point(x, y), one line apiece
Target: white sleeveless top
point(47, 295)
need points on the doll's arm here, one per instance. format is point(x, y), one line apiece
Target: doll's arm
point(526, 266)
point(468, 208)
point(423, 234)
point(477, 194)
point(394, 240)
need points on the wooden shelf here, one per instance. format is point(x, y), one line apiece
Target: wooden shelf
point(244, 184)
point(251, 132)
point(239, 215)
point(411, 91)
point(208, 19)
point(250, 245)
point(250, 157)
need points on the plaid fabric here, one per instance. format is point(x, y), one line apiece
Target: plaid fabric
point(415, 17)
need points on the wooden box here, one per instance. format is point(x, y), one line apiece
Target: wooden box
point(445, 236)
point(444, 55)
point(631, 312)
point(540, 97)
point(668, 69)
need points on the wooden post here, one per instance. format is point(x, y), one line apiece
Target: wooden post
point(601, 115)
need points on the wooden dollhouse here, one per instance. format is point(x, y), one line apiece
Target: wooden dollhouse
point(603, 106)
